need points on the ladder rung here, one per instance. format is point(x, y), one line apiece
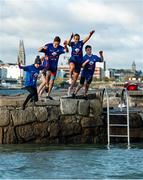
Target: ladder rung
point(120, 125)
point(117, 114)
point(114, 135)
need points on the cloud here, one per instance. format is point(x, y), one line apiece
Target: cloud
point(118, 26)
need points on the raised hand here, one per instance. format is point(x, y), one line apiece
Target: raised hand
point(92, 32)
point(65, 43)
point(101, 53)
point(72, 35)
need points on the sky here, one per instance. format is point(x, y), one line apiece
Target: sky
point(118, 26)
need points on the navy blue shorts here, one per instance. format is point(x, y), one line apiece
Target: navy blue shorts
point(76, 63)
point(88, 80)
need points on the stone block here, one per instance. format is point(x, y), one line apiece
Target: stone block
point(53, 113)
point(83, 107)
point(21, 117)
point(41, 113)
point(95, 108)
point(1, 135)
point(89, 122)
point(25, 133)
point(68, 106)
point(69, 126)
point(4, 117)
point(9, 136)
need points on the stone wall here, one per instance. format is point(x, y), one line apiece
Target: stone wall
point(59, 122)
point(52, 122)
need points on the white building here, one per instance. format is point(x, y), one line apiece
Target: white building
point(9, 71)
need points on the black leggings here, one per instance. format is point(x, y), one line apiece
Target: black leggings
point(33, 95)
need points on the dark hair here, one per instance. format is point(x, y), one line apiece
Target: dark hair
point(37, 60)
point(88, 46)
point(77, 35)
point(57, 39)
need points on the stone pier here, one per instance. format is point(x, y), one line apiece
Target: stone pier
point(62, 121)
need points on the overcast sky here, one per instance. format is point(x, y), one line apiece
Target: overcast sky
point(118, 26)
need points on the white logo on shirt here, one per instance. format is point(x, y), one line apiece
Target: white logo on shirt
point(91, 63)
point(54, 54)
point(77, 50)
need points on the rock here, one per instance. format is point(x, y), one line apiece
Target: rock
point(69, 126)
point(4, 117)
point(9, 136)
point(25, 133)
point(95, 108)
point(53, 113)
point(54, 129)
point(68, 106)
point(11, 101)
point(41, 113)
point(48, 103)
point(83, 107)
point(87, 122)
point(113, 101)
point(1, 135)
point(21, 117)
point(41, 129)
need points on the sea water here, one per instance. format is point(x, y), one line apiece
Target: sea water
point(72, 161)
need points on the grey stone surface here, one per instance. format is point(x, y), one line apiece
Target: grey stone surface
point(83, 107)
point(21, 117)
point(68, 106)
point(41, 113)
point(95, 108)
point(4, 117)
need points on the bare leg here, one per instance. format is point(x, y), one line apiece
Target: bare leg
point(42, 85)
point(72, 67)
point(75, 77)
point(86, 89)
point(51, 83)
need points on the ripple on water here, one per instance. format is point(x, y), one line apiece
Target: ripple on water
point(41, 161)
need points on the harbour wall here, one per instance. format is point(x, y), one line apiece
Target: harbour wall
point(63, 121)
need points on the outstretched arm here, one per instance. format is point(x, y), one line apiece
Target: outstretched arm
point(101, 56)
point(85, 63)
point(42, 49)
point(88, 37)
point(66, 47)
point(69, 40)
point(22, 67)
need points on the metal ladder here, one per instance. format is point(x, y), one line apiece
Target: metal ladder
point(109, 135)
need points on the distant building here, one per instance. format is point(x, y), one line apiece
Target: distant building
point(63, 71)
point(9, 71)
point(124, 74)
point(134, 67)
point(21, 57)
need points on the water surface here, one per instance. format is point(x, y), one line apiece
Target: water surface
point(85, 161)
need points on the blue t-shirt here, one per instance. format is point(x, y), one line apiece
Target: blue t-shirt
point(89, 68)
point(45, 64)
point(53, 55)
point(31, 74)
point(77, 50)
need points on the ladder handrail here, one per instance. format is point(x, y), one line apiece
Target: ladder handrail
point(108, 118)
point(128, 115)
point(105, 91)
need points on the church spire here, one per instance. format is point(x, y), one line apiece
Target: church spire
point(21, 53)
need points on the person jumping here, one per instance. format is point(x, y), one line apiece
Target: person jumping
point(76, 57)
point(89, 64)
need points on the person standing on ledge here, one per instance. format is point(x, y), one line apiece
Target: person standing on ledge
point(52, 52)
point(32, 72)
point(76, 57)
point(89, 64)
